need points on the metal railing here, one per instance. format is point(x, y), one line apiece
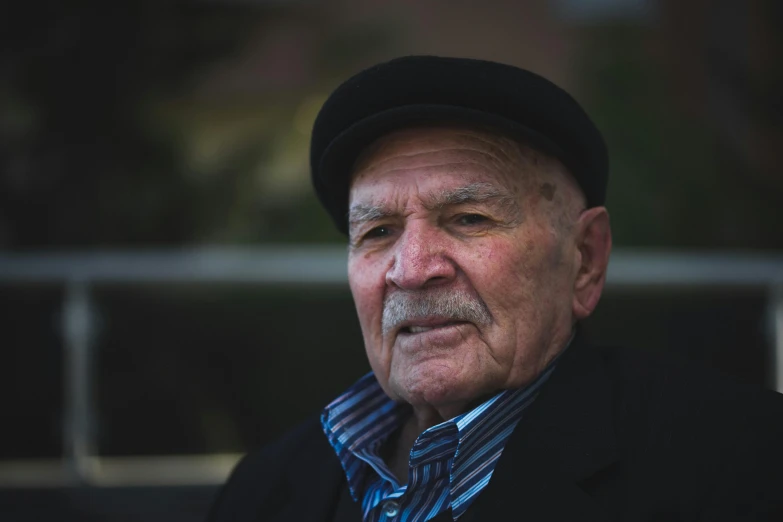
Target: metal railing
point(288, 266)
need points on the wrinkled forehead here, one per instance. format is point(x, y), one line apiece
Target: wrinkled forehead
point(424, 146)
point(449, 158)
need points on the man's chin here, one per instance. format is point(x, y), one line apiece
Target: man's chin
point(435, 385)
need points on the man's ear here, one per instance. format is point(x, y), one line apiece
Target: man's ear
point(594, 243)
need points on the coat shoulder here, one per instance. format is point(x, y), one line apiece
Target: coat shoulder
point(684, 390)
point(710, 443)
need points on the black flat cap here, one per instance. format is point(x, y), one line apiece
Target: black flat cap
point(416, 90)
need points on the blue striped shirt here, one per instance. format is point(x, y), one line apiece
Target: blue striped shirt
point(450, 463)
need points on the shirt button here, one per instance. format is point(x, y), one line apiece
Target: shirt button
point(391, 508)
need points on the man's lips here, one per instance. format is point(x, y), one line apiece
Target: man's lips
point(426, 325)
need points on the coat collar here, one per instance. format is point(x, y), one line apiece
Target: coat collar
point(565, 437)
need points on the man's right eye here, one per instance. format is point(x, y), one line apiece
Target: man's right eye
point(377, 232)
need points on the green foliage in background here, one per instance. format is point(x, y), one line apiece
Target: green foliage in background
point(671, 183)
point(118, 130)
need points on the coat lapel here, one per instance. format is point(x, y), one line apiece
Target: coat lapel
point(565, 437)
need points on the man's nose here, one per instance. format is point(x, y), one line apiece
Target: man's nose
point(420, 259)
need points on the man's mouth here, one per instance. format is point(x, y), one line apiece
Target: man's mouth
point(421, 328)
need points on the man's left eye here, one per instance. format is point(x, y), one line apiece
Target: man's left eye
point(471, 219)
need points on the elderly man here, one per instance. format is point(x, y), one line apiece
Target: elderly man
point(472, 195)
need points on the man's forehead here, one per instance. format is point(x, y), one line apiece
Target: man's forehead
point(439, 162)
point(410, 141)
point(433, 197)
point(437, 158)
point(433, 185)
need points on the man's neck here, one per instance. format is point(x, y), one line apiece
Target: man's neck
point(398, 448)
point(399, 445)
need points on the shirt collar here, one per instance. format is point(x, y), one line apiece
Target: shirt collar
point(360, 420)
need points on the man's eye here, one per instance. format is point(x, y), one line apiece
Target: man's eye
point(377, 232)
point(471, 219)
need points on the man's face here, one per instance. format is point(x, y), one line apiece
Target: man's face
point(461, 264)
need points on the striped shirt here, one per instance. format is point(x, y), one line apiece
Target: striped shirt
point(450, 463)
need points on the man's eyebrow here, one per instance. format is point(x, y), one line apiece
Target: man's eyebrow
point(362, 213)
point(473, 193)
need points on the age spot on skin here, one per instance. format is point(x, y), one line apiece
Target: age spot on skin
point(548, 191)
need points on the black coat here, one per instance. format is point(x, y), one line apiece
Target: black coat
point(613, 435)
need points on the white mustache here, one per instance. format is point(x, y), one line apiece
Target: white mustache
point(453, 305)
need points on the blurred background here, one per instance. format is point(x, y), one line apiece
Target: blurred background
point(172, 295)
